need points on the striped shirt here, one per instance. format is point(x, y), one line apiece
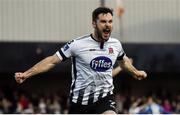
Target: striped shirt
point(92, 64)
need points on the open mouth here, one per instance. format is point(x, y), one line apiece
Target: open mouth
point(106, 31)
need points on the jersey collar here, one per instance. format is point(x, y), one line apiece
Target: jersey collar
point(101, 43)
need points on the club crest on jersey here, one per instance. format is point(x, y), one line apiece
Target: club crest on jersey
point(101, 64)
point(111, 51)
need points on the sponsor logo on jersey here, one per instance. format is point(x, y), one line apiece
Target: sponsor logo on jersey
point(101, 63)
point(65, 47)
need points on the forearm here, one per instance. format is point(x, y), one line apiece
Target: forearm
point(116, 71)
point(43, 66)
point(130, 69)
point(126, 65)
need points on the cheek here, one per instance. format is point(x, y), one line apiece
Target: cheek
point(100, 27)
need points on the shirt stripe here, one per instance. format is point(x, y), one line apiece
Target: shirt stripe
point(63, 56)
point(75, 77)
point(80, 96)
point(121, 57)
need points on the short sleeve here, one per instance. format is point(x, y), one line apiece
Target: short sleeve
point(121, 52)
point(66, 51)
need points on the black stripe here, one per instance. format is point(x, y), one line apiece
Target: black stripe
point(101, 45)
point(101, 94)
point(62, 54)
point(109, 93)
point(91, 97)
point(75, 77)
point(121, 57)
point(80, 96)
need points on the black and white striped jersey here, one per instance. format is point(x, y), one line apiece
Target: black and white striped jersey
point(92, 67)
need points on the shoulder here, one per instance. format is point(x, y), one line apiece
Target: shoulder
point(114, 41)
point(76, 43)
point(116, 44)
point(82, 38)
point(77, 40)
point(81, 41)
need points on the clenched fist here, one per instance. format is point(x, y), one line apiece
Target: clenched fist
point(20, 77)
point(140, 75)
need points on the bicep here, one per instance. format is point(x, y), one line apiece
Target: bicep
point(52, 60)
point(125, 60)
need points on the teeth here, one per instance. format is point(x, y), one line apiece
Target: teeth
point(106, 30)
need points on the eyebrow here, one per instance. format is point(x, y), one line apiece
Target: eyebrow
point(103, 20)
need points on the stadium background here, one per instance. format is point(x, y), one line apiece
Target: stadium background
point(30, 30)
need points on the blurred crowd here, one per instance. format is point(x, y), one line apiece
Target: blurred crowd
point(21, 101)
point(15, 101)
point(151, 103)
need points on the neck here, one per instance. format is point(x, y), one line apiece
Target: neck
point(96, 37)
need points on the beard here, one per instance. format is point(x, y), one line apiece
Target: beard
point(99, 34)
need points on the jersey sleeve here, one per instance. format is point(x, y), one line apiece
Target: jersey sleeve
point(121, 52)
point(66, 51)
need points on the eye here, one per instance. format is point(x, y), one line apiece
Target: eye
point(111, 21)
point(103, 21)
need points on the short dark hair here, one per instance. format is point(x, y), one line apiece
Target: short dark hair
point(100, 10)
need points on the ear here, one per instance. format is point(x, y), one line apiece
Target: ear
point(94, 24)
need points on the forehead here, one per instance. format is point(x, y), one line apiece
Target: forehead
point(106, 16)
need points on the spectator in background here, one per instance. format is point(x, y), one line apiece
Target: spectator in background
point(42, 106)
point(177, 103)
point(177, 108)
point(6, 106)
point(23, 101)
point(151, 107)
point(137, 105)
point(167, 105)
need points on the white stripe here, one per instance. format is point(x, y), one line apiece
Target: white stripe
point(85, 99)
point(74, 99)
point(58, 54)
point(106, 90)
point(85, 102)
point(104, 94)
point(96, 95)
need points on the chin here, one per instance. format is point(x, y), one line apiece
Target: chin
point(106, 38)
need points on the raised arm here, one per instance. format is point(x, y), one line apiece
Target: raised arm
point(127, 66)
point(43, 66)
point(118, 69)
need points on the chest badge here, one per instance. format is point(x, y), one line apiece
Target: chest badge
point(111, 51)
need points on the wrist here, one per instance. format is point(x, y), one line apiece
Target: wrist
point(135, 73)
point(26, 75)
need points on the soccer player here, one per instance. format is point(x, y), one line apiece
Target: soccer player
point(93, 57)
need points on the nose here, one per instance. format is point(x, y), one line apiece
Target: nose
point(107, 24)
